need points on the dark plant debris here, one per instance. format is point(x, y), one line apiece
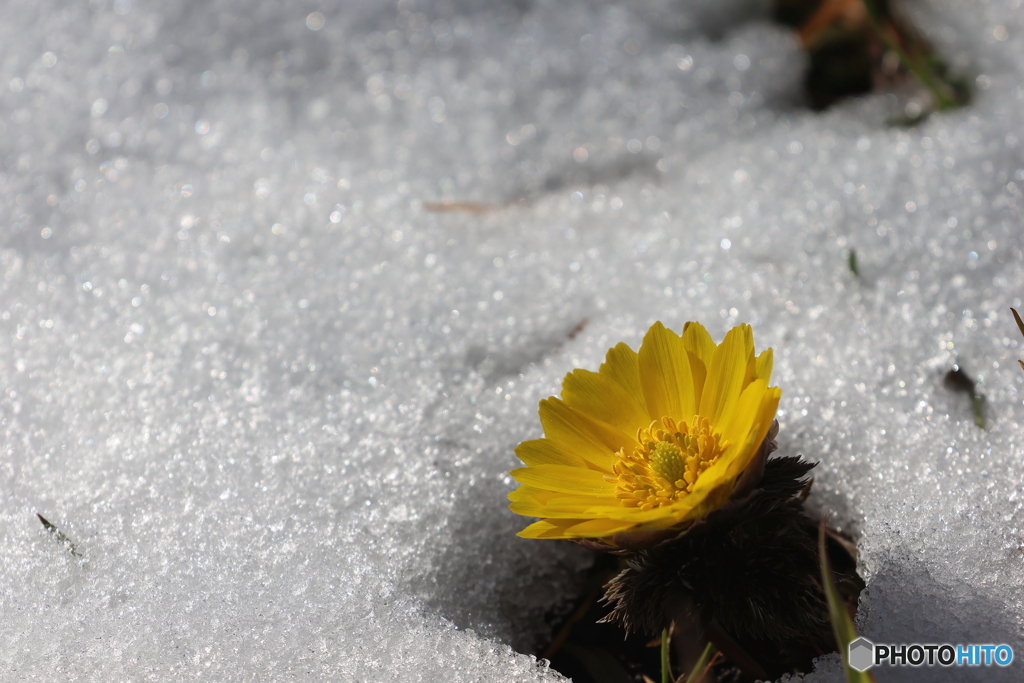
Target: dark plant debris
point(580, 326)
point(857, 46)
point(956, 380)
point(851, 261)
point(590, 649)
point(584, 649)
point(59, 535)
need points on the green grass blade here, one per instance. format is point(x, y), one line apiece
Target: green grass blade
point(945, 97)
point(702, 665)
point(842, 625)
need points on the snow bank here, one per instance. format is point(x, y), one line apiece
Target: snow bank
point(272, 396)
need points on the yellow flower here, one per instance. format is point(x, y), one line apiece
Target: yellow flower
point(653, 441)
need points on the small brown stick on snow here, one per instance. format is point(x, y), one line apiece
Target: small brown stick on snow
point(850, 12)
point(1020, 326)
point(475, 208)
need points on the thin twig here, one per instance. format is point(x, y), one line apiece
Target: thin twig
point(666, 673)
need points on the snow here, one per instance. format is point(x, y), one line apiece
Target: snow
point(272, 397)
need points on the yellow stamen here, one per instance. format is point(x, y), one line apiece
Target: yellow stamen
point(666, 463)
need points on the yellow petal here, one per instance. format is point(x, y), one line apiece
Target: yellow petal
point(726, 373)
point(564, 479)
point(739, 453)
point(546, 529)
point(622, 366)
point(574, 432)
point(615, 439)
point(573, 528)
point(764, 365)
point(561, 506)
point(699, 348)
point(770, 406)
point(546, 452)
point(698, 342)
point(681, 513)
point(596, 528)
point(746, 411)
point(533, 494)
point(601, 397)
point(729, 466)
point(761, 424)
point(658, 518)
point(544, 502)
point(529, 508)
point(620, 513)
point(665, 376)
point(734, 466)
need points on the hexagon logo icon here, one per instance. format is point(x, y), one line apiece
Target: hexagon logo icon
point(862, 654)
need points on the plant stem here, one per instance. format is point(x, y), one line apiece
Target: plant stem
point(702, 665)
point(945, 98)
point(978, 403)
point(666, 673)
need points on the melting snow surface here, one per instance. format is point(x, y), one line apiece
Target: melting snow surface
point(272, 394)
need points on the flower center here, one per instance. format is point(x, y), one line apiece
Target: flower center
point(666, 462)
